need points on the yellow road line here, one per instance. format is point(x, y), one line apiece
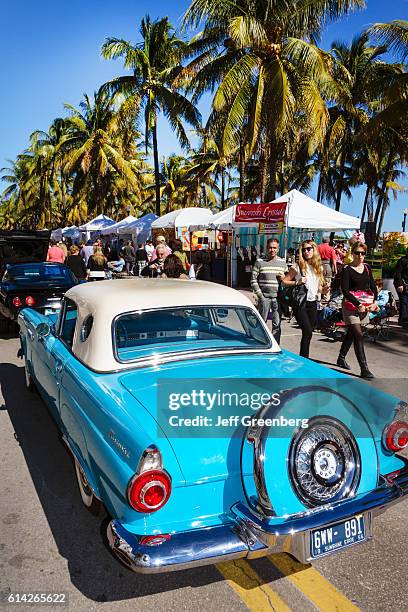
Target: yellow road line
point(249, 586)
point(312, 584)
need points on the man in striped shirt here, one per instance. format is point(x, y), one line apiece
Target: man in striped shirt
point(265, 278)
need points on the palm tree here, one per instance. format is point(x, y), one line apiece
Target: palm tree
point(154, 63)
point(360, 75)
point(101, 154)
point(267, 71)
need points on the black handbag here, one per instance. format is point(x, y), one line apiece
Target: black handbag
point(293, 296)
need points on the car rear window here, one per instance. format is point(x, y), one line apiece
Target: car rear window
point(143, 333)
point(38, 272)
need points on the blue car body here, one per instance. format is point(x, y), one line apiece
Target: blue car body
point(226, 500)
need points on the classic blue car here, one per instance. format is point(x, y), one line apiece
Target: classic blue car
point(202, 439)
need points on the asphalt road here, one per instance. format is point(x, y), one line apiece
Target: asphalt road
point(50, 543)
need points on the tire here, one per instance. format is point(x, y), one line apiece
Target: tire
point(92, 503)
point(29, 383)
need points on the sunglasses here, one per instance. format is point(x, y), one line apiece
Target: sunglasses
point(359, 253)
point(307, 249)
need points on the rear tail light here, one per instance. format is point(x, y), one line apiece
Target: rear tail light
point(149, 491)
point(150, 488)
point(30, 301)
point(17, 302)
point(395, 437)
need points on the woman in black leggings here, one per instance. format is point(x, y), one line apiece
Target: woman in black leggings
point(309, 273)
point(357, 277)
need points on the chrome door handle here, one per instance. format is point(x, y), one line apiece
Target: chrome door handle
point(30, 333)
point(58, 367)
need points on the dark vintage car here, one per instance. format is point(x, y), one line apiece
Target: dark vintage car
point(37, 285)
point(26, 279)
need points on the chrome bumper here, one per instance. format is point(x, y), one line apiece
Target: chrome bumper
point(249, 534)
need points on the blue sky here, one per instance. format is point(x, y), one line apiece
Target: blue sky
point(49, 54)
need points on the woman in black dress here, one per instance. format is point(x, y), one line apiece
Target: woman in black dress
point(360, 295)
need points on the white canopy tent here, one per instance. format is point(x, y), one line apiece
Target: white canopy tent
point(302, 213)
point(139, 228)
point(192, 217)
point(96, 224)
point(114, 229)
point(306, 213)
point(70, 231)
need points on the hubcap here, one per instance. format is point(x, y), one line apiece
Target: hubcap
point(324, 462)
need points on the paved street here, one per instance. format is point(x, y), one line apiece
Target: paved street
point(49, 542)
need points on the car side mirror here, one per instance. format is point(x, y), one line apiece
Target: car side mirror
point(43, 330)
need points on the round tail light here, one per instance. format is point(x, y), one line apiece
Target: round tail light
point(149, 491)
point(30, 301)
point(17, 302)
point(396, 436)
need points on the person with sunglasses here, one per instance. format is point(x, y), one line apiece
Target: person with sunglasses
point(359, 299)
point(309, 272)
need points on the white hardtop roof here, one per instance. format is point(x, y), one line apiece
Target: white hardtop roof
point(113, 297)
point(105, 300)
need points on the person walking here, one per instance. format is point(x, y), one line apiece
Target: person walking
point(129, 256)
point(359, 299)
point(141, 258)
point(401, 285)
point(328, 257)
point(55, 253)
point(76, 264)
point(149, 249)
point(309, 273)
point(97, 265)
point(266, 274)
point(87, 251)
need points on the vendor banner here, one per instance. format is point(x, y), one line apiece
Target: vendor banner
point(261, 213)
point(271, 228)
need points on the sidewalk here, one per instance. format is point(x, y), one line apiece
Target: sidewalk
point(387, 359)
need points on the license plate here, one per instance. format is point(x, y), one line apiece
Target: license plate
point(50, 311)
point(337, 536)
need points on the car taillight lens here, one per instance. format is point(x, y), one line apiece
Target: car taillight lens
point(17, 302)
point(30, 301)
point(154, 540)
point(149, 491)
point(395, 436)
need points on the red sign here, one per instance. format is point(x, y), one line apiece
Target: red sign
point(260, 213)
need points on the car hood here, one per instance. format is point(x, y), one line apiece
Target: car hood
point(23, 246)
point(212, 457)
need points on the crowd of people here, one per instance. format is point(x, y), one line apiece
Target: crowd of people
point(310, 275)
point(100, 259)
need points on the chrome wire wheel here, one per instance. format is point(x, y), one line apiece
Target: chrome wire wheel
point(324, 462)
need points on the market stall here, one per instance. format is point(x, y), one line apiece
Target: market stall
point(138, 230)
point(248, 227)
point(114, 229)
point(93, 228)
point(183, 223)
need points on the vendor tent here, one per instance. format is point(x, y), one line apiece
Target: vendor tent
point(302, 213)
point(114, 229)
point(184, 217)
point(97, 224)
point(139, 227)
point(306, 213)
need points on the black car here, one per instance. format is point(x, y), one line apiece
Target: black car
point(26, 279)
point(34, 285)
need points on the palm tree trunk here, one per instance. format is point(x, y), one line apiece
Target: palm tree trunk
point(341, 177)
point(319, 187)
point(156, 169)
point(382, 201)
point(222, 188)
point(262, 173)
point(365, 203)
point(241, 170)
point(273, 164)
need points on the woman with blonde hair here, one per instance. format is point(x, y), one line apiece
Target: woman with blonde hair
point(75, 263)
point(97, 265)
point(309, 274)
